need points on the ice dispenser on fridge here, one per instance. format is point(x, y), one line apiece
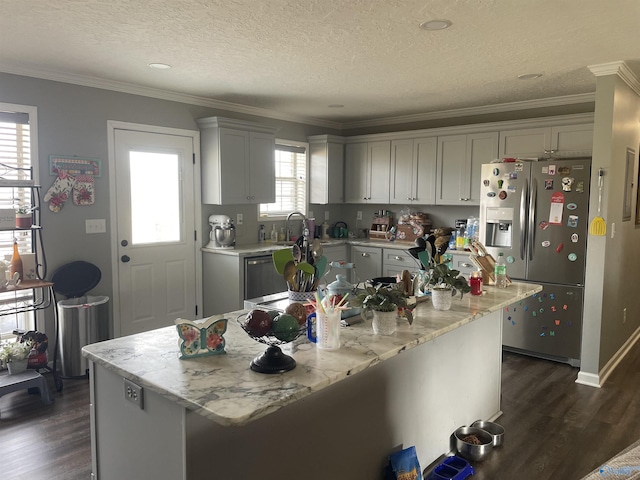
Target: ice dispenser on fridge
point(499, 227)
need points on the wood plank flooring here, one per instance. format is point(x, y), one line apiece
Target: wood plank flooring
point(555, 428)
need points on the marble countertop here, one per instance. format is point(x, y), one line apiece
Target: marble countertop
point(225, 390)
point(268, 247)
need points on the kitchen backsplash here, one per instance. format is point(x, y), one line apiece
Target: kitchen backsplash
point(247, 232)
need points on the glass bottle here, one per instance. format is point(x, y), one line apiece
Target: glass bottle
point(500, 272)
point(16, 262)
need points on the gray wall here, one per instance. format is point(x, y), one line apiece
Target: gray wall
point(72, 120)
point(612, 269)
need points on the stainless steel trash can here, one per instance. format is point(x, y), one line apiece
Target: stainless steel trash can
point(81, 321)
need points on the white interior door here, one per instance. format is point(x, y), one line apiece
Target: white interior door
point(155, 203)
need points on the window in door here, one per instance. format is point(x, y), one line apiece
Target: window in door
point(15, 164)
point(291, 181)
point(155, 197)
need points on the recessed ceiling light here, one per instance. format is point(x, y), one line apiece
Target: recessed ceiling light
point(529, 76)
point(435, 25)
point(336, 105)
point(159, 66)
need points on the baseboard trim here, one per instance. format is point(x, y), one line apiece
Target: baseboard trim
point(597, 380)
point(588, 379)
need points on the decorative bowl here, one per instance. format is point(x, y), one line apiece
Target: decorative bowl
point(272, 360)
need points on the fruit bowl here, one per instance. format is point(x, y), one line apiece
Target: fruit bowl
point(272, 360)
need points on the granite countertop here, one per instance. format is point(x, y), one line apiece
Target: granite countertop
point(224, 389)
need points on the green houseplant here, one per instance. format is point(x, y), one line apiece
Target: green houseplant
point(444, 283)
point(383, 301)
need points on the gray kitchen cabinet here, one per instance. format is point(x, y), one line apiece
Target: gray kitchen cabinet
point(368, 262)
point(326, 179)
point(336, 253)
point(222, 283)
point(394, 261)
point(238, 164)
point(460, 261)
point(367, 172)
point(459, 161)
point(565, 140)
point(413, 171)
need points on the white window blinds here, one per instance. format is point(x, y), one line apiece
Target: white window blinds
point(15, 164)
point(291, 182)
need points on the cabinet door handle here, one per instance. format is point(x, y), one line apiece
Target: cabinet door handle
point(464, 199)
point(467, 265)
point(365, 255)
point(125, 258)
point(398, 257)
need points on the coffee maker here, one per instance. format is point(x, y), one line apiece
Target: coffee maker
point(223, 232)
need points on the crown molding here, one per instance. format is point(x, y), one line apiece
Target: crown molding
point(620, 69)
point(483, 110)
point(161, 94)
point(123, 87)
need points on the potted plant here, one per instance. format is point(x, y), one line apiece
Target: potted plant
point(15, 356)
point(444, 283)
point(383, 301)
point(23, 216)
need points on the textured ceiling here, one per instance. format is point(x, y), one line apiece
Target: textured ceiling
point(297, 57)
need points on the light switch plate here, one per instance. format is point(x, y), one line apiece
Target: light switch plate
point(95, 225)
point(239, 219)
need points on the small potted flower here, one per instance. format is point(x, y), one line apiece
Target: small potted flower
point(383, 301)
point(24, 216)
point(15, 355)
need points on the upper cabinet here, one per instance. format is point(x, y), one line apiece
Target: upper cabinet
point(238, 163)
point(326, 180)
point(413, 171)
point(459, 162)
point(564, 140)
point(367, 172)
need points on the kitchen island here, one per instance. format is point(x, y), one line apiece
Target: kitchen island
point(338, 414)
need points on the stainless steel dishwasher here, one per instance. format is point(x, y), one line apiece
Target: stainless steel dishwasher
point(261, 277)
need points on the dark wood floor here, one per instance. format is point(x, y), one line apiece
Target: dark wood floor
point(554, 428)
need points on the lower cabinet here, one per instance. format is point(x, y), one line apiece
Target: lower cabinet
point(461, 261)
point(368, 263)
point(394, 261)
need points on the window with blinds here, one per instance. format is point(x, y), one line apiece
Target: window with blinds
point(291, 182)
point(15, 164)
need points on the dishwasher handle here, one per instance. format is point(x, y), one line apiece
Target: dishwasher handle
point(259, 260)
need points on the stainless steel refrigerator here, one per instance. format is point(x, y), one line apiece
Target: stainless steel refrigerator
point(536, 214)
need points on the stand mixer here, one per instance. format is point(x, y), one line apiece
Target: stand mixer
point(223, 232)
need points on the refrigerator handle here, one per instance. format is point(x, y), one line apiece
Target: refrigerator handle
point(533, 198)
point(523, 219)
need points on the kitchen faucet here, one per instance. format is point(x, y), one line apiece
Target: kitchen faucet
point(305, 228)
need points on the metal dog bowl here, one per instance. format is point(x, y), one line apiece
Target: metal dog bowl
point(469, 449)
point(495, 430)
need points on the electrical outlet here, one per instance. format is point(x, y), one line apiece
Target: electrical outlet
point(326, 214)
point(310, 214)
point(624, 315)
point(133, 393)
point(239, 219)
point(96, 225)
point(359, 215)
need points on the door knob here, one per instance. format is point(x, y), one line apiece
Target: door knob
point(125, 258)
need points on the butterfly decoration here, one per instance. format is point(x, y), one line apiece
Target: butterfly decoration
point(199, 339)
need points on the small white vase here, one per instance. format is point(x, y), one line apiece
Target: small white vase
point(385, 323)
point(17, 366)
point(441, 298)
